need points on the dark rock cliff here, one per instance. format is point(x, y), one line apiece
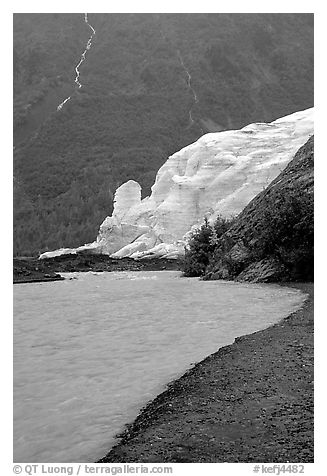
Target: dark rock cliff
point(272, 239)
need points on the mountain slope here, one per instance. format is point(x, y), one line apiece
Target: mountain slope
point(273, 238)
point(152, 83)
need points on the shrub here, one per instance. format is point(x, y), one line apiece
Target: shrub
point(202, 245)
point(287, 233)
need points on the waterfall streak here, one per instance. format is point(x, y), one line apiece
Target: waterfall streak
point(189, 85)
point(61, 105)
point(82, 59)
point(189, 77)
point(189, 80)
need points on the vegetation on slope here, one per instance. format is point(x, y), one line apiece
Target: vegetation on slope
point(202, 244)
point(134, 108)
point(272, 239)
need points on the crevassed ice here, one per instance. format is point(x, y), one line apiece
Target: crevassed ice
point(220, 173)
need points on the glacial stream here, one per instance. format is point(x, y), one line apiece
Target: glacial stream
point(90, 351)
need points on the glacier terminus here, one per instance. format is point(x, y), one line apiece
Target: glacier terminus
point(216, 175)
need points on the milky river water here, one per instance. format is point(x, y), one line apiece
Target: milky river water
point(90, 352)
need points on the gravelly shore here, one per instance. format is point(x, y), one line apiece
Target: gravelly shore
point(251, 401)
point(32, 269)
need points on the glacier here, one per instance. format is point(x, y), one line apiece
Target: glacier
point(216, 175)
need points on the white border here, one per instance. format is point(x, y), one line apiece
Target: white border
point(320, 177)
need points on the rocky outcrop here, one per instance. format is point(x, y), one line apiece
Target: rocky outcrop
point(272, 239)
point(29, 270)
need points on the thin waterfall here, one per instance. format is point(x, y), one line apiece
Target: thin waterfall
point(189, 79)
point(82, 59)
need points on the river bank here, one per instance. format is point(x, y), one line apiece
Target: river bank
point(251, 401)
point(32, 269)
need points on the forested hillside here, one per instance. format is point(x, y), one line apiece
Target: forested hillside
point(151, 84)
